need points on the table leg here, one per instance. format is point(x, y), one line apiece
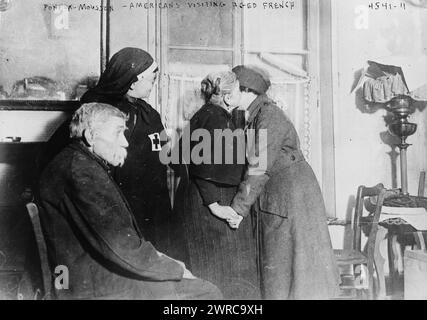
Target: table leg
point(419, 240)
point(379, 261)
point(393, 256)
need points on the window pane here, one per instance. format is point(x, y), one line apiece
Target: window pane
point(209, 26)
point(200, 57)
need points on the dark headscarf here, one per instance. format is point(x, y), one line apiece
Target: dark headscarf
point(121, 71)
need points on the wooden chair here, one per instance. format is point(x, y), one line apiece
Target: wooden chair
point(33, 212)
point(422, 184)
point(355, 257)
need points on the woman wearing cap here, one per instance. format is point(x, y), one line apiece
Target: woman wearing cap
point(296, 255)
point(126, 84)
point(217, 253)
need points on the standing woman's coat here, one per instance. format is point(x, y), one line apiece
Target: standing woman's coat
point(296, 256)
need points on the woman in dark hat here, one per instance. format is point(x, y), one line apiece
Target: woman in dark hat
point(126, 84)
point(217, 253)
point(295, 252)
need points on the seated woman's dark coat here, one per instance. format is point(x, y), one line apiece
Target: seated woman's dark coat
point(89, 228)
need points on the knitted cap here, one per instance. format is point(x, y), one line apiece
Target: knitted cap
point(252, 79)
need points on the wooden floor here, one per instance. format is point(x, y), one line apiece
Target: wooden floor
point(10, 287)
point(392, 293)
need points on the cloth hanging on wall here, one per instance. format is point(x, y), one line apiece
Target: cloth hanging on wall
point(384, 88)
point(382, 72)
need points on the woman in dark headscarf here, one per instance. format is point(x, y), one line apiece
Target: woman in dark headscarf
point(126, 84)
point(217, 253)
point(120, 75)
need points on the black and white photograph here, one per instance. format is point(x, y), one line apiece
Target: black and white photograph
point(229, 152)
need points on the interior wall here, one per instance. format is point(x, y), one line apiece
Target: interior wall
point(36, 40)
point(31, 126)
point(364, 152)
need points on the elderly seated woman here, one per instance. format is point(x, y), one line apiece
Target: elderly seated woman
point(90, 228)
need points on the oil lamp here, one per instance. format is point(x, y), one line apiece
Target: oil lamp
point(402, 106)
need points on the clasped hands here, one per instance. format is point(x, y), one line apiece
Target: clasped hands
point(226, 213)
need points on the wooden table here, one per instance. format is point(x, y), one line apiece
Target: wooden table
point(398, 231)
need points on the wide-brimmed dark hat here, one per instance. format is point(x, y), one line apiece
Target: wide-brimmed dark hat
point(251, 78)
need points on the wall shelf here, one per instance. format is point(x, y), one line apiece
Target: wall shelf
point(40, 105)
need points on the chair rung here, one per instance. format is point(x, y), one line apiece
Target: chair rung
point(347, 287)
point(349, 257)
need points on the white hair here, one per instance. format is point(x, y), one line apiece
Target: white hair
point(90, 115)
point(216, 84)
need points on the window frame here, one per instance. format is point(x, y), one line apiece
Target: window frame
point(318, 64)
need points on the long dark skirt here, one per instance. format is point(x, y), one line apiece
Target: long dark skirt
point(217, 253)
